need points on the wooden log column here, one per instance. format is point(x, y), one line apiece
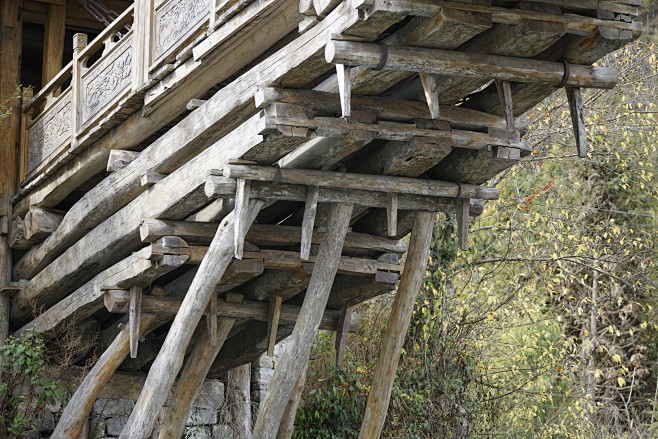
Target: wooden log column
point(168, 363)
point(298, 349)
point(10, 52)
point(53, 44)
point(238, 399)
point(77, 411)
point(396, 330)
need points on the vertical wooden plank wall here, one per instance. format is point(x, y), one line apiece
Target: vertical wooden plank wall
point(10, 51)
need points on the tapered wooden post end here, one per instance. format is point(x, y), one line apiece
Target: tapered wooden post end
point(575, 99)
point(344, 89)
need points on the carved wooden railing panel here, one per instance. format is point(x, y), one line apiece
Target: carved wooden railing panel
point(50, 131)
point(175, 24)
point(106, 82)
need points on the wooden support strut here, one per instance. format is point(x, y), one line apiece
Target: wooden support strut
point(241, 203)
point(344, 89)
point(135, 314)
point(382, 382)
point(297, 351)
point(577, 119)
point(505, 95)
point(450, 62)
point(341, 334)
point(273, 324)
point(431, 90)
point(310, 209)
point(169, 361)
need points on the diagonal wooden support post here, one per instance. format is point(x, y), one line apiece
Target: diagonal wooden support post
point(431, 90)
point(211, 319)
point(191, 378)
point(287, 425)
point(398, 322)
point(344, 89)
point(577, 119)
point(166, 366)
point(299, 344)
point(310, 209)
point(77, 411)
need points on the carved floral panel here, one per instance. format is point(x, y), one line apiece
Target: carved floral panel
point(175, 19)
point(50, 131)
point(107, 79)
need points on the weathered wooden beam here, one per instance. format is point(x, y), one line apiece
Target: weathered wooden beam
point(287, 425)
point(211, 320)
point(118, 301)
point(344, 90)
point(505, 94)
point(378, 183)
point(225, 187)
point(40, 223)
point(437, 61)
point(79, 407)
point(135, 314)
point(341, 335)
point(396, 329)
point(169, 361)
point(577, 119)
point(392, 214)
point(241, 212)
point(298, 348)
point(16, 238)
point(310, 209)
point(137, 269)
point(192, 375)
point(463, 206)
point(385, 108)
point(273, 324)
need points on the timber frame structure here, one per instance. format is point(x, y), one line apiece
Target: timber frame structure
point(230, 173)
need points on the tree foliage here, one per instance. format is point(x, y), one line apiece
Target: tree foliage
point(546, 327)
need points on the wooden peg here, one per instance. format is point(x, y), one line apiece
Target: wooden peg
point(241, 210)
point(577, 119)
point(431, 89)
point(344, 89)
point(310, 210)
point(344, 322)
point(211, 319)
point(273, 325)
point(463, 211)
point(504, 89)
point(135, 313)
point(392, 213)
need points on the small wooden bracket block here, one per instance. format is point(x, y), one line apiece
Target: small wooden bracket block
point(431, 90)
point(11, 288)
point(241, 211)
point(211, 319)
point(463, 211)
point(135, 313)
point(193, 104)
point(273, 326)
point(344, 89)
point(310, 210)
point(577, 119)
point(392, 213)
point(151, 178)
point(344, 323)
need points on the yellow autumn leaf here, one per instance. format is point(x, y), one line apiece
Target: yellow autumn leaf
point(621, 382)
point(616, 358)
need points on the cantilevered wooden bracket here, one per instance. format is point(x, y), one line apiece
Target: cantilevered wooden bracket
point(211, 319)
point(431, 89)
point(241, 210)
point(392, 213)
point(463, 210)
point(135, 314)
point(344, 323)
point(344, 89)
point(577, 119)
point(504, 89)
point(310, 210)
point(11, 288)
point(273, 324)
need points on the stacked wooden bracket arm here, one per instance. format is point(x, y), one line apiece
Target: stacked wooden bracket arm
point(222, 166)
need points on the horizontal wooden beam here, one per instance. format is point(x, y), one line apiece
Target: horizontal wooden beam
point(260, 234)
point(368, 182)
point(224, 187)
point(118, 301)
point(448, 62)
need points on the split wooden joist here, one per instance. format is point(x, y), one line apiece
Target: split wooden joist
point(248, 173)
